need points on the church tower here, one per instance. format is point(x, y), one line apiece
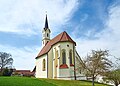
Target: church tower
point(45, 33)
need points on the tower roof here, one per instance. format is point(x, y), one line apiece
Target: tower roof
point(62, 37)
point(46, 23)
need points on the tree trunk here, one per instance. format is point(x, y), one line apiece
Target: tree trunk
point(116, 83)
point(93, 80)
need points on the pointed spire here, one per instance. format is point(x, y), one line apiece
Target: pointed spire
point(46, 22)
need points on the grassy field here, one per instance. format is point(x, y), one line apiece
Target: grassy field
point(26, 81)
point(22, 81)
point(71, 83)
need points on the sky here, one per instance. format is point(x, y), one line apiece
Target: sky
point(92, 24)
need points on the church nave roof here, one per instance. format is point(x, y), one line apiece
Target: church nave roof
point(62, 37)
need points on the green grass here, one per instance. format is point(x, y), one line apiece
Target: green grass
point(26, 81)
point(22, 81)
point(71, 82)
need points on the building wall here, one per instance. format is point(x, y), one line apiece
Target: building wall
point(63, 73)
point(70, 72)
point(67, 46)
point(55, 61)
point(56, 55)
point(39, 67)
point(50, 64)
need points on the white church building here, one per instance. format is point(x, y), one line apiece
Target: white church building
point(58, 58)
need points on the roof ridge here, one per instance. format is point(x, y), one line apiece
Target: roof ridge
point(62, 35)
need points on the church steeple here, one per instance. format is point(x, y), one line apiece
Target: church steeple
point(46, 22)
point(46, 33)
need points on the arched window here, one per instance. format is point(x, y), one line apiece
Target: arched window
point(63, 57)
point(44, 64)
point(47, 35)
point(70, 56)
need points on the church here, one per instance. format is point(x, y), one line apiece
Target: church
point(58, 58)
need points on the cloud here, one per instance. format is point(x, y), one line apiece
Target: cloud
point(24, 58)
point(113, 22)
point(26, 17)
point(108, 38)
point(16, 15)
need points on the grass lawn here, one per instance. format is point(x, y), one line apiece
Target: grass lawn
point(71, 82)
point(22, 81)
point(26, 81)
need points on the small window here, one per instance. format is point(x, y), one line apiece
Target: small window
point(44, 64)
point(67, 45)
point(47, 35)
point(47, 41)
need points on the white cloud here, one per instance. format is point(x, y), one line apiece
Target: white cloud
point(27, 17)
point(113, 22)
point(15, 13)
point(109, 38)
point(24, 58)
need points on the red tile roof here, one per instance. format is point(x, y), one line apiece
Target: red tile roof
point(62, 37)
point(24, 72)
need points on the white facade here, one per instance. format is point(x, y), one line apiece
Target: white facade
point(58, 58)
point(40, 73)
point(54, 60)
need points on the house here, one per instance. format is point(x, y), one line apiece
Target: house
point(58, 58)
point(22, 72)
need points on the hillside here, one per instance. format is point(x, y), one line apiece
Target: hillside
point(26, 81)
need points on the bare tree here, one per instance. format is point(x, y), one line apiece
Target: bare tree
point(114, 74)
point(5, 60)
point(96, 64)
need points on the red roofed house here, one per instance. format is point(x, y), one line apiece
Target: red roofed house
point(22, 72)
point(58, 58)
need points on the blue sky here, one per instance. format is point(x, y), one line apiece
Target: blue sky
point(93, 24)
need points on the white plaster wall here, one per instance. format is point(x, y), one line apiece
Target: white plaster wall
point(72, 73)
point(39, 71)
point(64, 74)
point(67, 73)
point(50, 64)
point(63, 45)
point(57, 47)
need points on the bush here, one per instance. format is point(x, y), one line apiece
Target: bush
point(1, 73)
point(7, 72)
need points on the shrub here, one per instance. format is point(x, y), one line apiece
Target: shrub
point(7, 72)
